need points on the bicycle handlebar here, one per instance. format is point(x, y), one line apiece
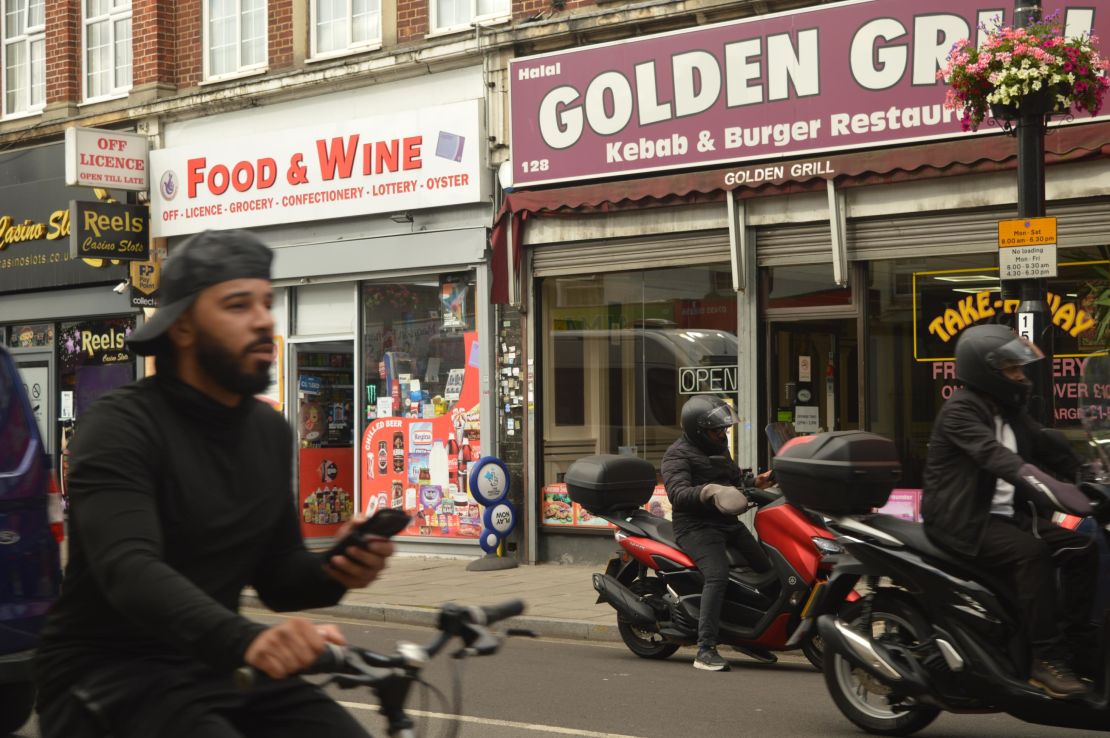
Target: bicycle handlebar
point(469, 623)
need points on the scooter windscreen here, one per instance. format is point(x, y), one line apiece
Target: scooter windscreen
point(778, 434)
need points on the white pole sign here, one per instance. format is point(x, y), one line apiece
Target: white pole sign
point(109, 159)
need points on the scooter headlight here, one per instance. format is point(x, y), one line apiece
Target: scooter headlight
point(827, 545)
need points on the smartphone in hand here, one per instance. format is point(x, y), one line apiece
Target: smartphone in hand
point(385, 523)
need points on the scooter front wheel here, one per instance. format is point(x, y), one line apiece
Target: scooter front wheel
point(814, 650)
point(644, 642)
point(861, 697)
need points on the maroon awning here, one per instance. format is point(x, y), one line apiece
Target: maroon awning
point(975, 154)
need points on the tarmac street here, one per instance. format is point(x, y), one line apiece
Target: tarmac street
point(578, 679)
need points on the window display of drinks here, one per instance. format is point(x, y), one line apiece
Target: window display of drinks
point(325, 388)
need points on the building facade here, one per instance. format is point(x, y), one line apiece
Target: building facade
point(812, 258)
point(779, 211)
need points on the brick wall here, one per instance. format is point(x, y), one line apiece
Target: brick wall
point(63, 62)
point(152, 42)
point(527, 9)
point(412, 19)
point(280, 51)
point(187, 32)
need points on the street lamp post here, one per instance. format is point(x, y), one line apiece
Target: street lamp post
point(1032, 319)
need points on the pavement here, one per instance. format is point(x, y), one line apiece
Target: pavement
point(559, 598)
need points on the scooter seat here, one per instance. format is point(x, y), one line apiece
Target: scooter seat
point(913, 535)
point(657, 528)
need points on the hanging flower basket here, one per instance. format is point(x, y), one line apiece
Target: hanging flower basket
point(1033, 70)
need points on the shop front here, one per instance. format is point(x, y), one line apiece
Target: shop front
point(379, 227)
point(63, 319)
point(817, 275)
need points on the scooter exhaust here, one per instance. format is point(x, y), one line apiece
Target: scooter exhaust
point(871, 656)
point(624, 601)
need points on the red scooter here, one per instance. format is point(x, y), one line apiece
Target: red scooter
point(656, 588)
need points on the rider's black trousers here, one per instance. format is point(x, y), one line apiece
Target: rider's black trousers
point(1026, 552)
point(707, 546)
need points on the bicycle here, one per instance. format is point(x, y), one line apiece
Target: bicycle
point(392, 676)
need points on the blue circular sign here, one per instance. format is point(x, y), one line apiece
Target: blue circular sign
point(500, 518)
point(489, 541)
point(489, 480)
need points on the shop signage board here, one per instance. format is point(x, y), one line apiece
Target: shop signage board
point(109, 230)
point(389, 163)
point(100, 158)
point(35, 225)
point(849, 75)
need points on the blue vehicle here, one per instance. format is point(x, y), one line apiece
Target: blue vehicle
point(30, 565)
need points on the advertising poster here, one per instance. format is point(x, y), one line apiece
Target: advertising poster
point(558, 510)
point(326, 490)
point(904, 504)
point(419, 463)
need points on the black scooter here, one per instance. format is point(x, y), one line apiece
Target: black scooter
point(933, 633)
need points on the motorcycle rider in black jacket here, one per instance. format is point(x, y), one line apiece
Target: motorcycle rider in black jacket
point(703, 484)
point(987, 498)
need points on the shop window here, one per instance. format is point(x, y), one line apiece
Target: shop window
point(323, 379)
point(234, 37)
point(93, 358)
point(621, 352)
point(24, 56)
point(913, 333)
point(107, 26)
point(35, 335)
point(340, 26)
point(567, 371)
point(325, 309)
point(420, 385)
point(459, 14)
point(806, 286)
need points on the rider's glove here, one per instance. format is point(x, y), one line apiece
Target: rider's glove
point(1050, 494)
point(728, 500)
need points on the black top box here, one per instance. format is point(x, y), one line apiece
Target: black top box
point(841, 472)
point(607, 482)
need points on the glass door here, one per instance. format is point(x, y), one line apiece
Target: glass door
point(323, 387)
point(814, 375)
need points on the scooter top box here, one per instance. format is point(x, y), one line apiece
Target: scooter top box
point(839, 472)
point(607, 482)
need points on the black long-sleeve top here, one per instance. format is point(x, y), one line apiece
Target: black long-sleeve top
point(686, 468)
point(177, 504)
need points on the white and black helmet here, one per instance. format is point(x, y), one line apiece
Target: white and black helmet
point(984, 351)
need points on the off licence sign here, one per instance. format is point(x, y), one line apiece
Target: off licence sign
point(1026, 232)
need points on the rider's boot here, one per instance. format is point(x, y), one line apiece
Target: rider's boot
point(1054, 676)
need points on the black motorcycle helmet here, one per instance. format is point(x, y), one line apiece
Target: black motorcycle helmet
point(984, 351)
point(705, 412)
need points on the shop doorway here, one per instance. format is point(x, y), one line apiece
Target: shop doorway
point(322, 387)
point(814, 373)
